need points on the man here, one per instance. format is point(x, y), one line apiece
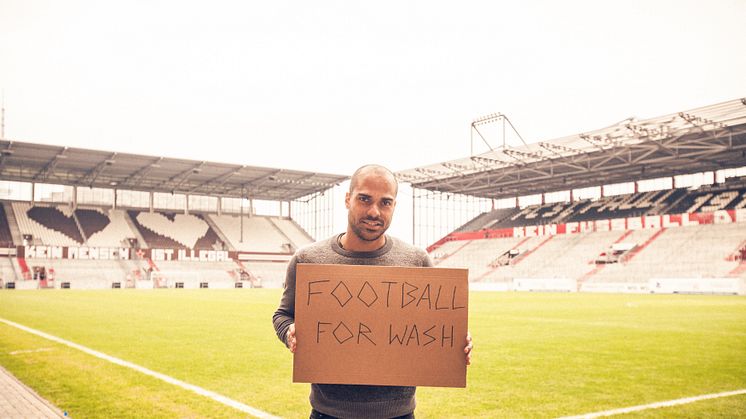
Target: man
point(370, 206)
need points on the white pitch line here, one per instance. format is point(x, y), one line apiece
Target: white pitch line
point(657, 405)
point(30, 351)
point(191, 387)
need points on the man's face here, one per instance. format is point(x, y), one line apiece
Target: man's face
point(370, 206)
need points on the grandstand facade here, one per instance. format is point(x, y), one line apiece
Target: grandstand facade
point(655, 205)
point(73, 218)
point(633, 242)
point(610, 210)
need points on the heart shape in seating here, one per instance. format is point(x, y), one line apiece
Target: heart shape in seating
point(55, 220)
point(91, 221)
point(185, 229)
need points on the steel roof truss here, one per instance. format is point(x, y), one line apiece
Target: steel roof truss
point(134, 180)
point(216, 182)
point(180, 178)
point(90, 177)
point(48, 169)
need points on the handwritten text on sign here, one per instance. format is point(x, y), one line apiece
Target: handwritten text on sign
point(380, 325)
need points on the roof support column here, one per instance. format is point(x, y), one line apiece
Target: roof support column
point(414, 198)
point(150, 201)
point(240, 216)
point(75, 197)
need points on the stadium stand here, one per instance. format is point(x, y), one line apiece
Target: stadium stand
point(6, 237)
point(710, 199)
point(535, 215)
point(104, 228)
point(619, 206)
point(560, 256)
point(673, 201)
point(629, 205)
point(211, 239)
point(173, 231)
point(620, 251)
point(298, 238)
point(99, 218)
point(95, 227)
point(638, 239)
point(259, 233)
point(47, 226)
point(684, 252)
point(477, 255)
point(190, 274)
point(54, 219)
point(12, 223)
point(87, 274)
point(447, 250)
point(492, 219)
point(7, 271)
point(633, 255)
point(90, 222)
point(269, 274)
point(20, 266)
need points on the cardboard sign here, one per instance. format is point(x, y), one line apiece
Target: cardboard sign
point(380, 325)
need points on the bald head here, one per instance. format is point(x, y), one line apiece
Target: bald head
point(375, 170)
point(370, 207)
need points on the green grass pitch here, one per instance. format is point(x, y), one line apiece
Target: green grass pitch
point(536, 355)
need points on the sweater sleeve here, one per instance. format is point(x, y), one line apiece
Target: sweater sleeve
point(285, 314)
point(428, 261)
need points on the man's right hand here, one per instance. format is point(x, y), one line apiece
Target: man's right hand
point(290, 338)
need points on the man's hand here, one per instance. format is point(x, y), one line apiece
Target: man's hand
point(290, 339)
point(467, 349)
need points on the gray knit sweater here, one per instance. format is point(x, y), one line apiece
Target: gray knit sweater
point(351, 401)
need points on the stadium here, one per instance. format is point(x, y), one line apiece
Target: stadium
point(99, 220)
point(607, 267)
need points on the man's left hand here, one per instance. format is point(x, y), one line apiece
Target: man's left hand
point(468, 348)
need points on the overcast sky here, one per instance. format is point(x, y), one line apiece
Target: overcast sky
point(328, 86)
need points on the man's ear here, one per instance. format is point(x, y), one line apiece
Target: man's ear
point(347, 200)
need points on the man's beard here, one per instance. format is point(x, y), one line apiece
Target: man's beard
point(366, 235)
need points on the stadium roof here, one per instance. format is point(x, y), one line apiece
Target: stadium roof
point(699, 140)
point(28, 162)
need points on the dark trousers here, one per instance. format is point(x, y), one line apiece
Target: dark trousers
point(315, 414)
